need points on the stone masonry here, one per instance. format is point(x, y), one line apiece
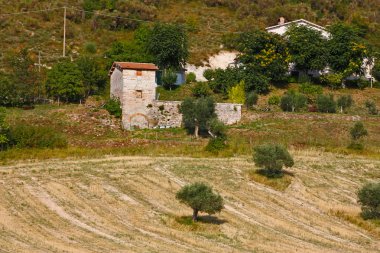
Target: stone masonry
point(135, 85)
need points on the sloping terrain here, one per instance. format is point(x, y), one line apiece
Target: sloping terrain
point(127, 204)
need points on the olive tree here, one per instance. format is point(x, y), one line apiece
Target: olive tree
point(369, 198)
point(357, 132)
point(197, 113)
point(344, 102)
point(271, 158)
point(201, 198)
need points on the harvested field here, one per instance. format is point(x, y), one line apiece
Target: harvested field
point(127, 204)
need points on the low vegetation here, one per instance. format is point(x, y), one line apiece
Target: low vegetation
point(369, 198)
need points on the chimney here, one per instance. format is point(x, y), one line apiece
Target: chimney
point(281, 21)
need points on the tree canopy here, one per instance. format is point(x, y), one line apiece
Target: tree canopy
point(169, 45)
point(307, 48)
point(201, 198)
point(65, 81)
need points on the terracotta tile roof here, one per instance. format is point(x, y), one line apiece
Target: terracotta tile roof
point(133, 65)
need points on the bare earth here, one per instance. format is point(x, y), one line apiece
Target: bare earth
point(127, 204)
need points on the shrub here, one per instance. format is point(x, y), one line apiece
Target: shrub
point(237, 93)
point(326, 103)
point(209, 74)
point(363, 83)
point(274, 100)
point(218, 132)
point(214, 145)
point(310, 90)
point(344, 102)
point(201, 89)
point(333, 80)
point(201, 198)
point(371, 107)
point(191, 78)
point(293, 101)
point(271, 158)
point(28, 136)
point(369, 198)
point(357, 132)
point(113, 106)
point(90, 47)
point(251, 99)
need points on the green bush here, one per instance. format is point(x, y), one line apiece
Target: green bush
point(90, 48)
point(293, 101)
point(251, 99)
point(113, 106)
point(310, 90)
point(209, 74)
point(326, 103)
point(271, 158)
point(333, 80)
point(369, 198)
point(201, 89)
point(191, 78)
point(169, 78)
point(274, 100)
point(357, 132)
point(344, 102)
point(28, 136)
point(237, 93)
point(363, 83)
point(371, 107)
point(214, 145)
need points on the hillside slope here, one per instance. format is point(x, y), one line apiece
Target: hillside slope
point(127, 204)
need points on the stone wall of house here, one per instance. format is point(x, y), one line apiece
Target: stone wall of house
point(228, 113)
point(165, 114)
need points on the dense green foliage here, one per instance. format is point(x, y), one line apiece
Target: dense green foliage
point(30, 136)
point(271, 158)
point(293, 101)
point(201, 198)
point(93, 76)
point(218, 132)
point(358, 131)
point(307, 48)
point(169, 45)
point(201, 89)
point(113, 106)
point(326, 103)
point(369, 198)
point(197, 113)
point(65, 82)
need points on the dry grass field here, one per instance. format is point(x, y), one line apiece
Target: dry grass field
point(127, 204)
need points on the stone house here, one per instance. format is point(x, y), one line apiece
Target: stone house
point(134, 84)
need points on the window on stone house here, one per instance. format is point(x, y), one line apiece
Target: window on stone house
point(138, 93)
point(138, 73)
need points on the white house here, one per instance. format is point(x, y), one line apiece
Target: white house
point(283, 26)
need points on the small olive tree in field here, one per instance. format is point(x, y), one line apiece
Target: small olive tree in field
point(201, 198)
point(369, 198)
point(271, 158)
point(357, 132)
point(344, 102)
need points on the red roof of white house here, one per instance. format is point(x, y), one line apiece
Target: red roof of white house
point(133, 65)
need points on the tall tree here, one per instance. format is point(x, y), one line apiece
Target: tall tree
point(169, 45)
point(307, 48)
point(346, 49)
point(65, 81)
point(263, 52)
point(93, 76)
